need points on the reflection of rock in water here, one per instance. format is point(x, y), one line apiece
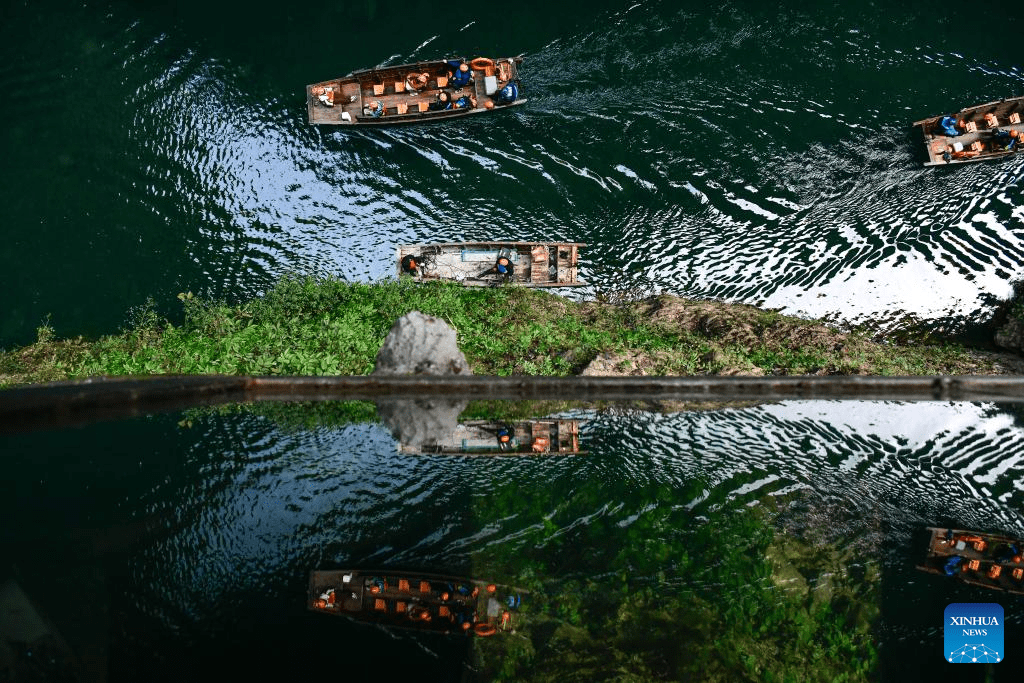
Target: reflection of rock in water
point(420, 424)
point(420, 345)
point(30, 647)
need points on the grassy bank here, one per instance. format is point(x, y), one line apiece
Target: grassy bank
point(307, 326)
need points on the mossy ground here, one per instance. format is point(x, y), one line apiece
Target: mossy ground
point(317, 326)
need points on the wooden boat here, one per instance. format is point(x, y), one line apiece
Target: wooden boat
point(422, 602)
point(412, 93)
point(526, 437)
point(981, 559)
point(987, 131)
point(481, 264)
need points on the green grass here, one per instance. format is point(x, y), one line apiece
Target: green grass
point(316, 326)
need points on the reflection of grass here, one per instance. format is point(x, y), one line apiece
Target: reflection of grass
point(670, 600)
point(306, 326)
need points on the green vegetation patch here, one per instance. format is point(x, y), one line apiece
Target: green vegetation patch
point(676, 596)
point(326, 326)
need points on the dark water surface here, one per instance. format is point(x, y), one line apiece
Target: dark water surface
point(752, 152)
point(186, 540)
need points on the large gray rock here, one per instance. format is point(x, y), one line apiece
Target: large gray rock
point(1011, 336)
point(421, 345)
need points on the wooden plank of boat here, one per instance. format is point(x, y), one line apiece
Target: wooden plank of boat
point(415, 93)
point(484, 264)
point(989, 560)
point(525, 437)
point(423, 602)
point(993, 130)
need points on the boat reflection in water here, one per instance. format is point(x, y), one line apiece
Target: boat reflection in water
point(421, 602)
point(988, 560)
point(483, 437)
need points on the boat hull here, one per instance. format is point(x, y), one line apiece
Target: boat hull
point(349, 100)
point(530, 264)
point(988, 560)
point(977, 139)
point(430, 603)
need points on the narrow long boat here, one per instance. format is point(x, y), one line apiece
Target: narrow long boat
point(526, 437)
point(989, 560)
point(483, 264)
point(415, 93)
point(421, 602)
point(980, 133)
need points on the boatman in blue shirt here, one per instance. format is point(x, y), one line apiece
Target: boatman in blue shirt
point(461, 75)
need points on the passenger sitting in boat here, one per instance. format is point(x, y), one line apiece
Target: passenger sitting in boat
point(508, 94)
point(464, 101)
point(505, 436)
point(1004, 139)
point(1016, 142)
point(375, 109)
point(461, 75)
point(953, 565)
point(443, 101)
point(504, 267)
point(414, 82)
point(1007, 553)
point(947, 126)
point(327, 599)
point(325, 96)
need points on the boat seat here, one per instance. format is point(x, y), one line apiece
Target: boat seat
point(402, 108)
point(1018, 573)
point(977, 147)
point(973, 565)
point(442, 81)
point(994, 571)
point(1015, 117)
point(378, 88)
point(403, 585)
point(970, 126)
point(424, 586)
point(991, 120)
point(400, 607)
point(380, 605)
point(399, 86)
point(443, 611)
point(423, 106)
